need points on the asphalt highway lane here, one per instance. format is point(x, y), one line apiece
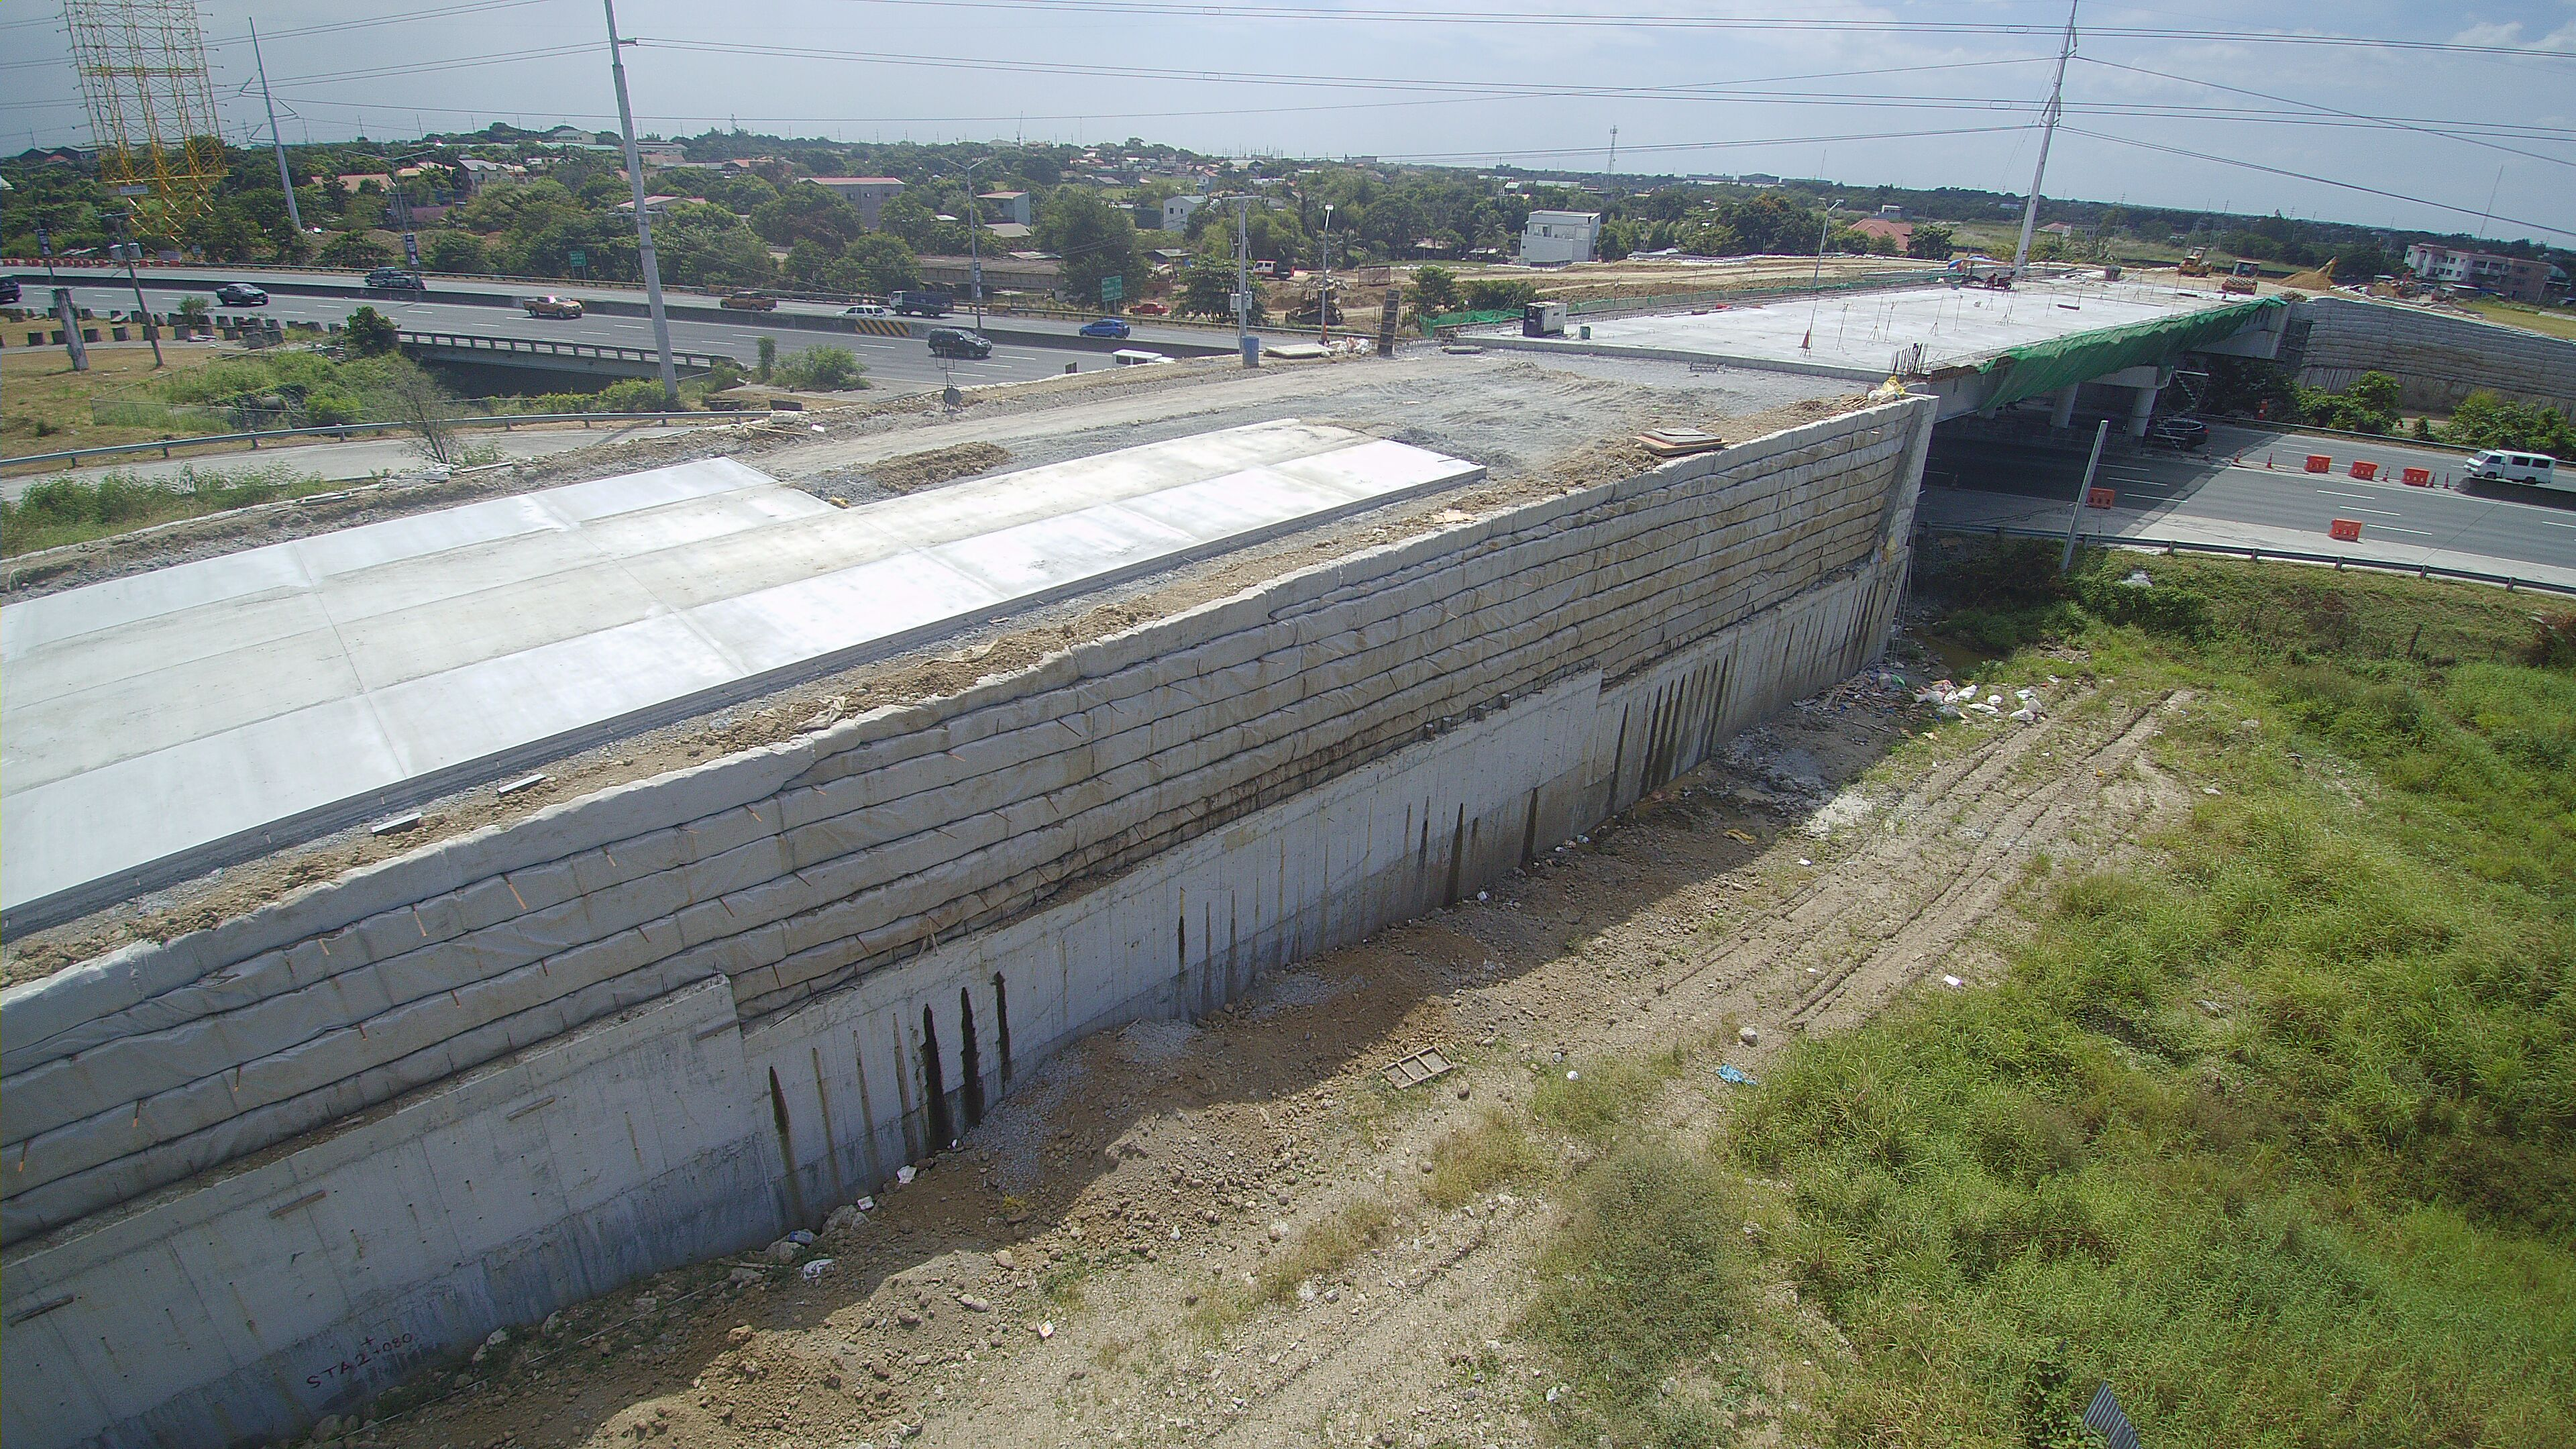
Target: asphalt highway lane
point(2229, 482)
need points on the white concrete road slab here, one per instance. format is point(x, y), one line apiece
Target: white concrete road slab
point(158, 725)
point(1861, 334)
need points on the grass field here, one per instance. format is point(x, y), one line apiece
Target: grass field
point(63, 511)
point(2273, 1129)
point(2550, 322)
point(49, 408)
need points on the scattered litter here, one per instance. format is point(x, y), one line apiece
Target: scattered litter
point(1952, 981)
point(801, 1238)
point(865, 1204)
point(1802, 860)
point(1572, 1075)
point(1740, 835)
point(903, 1175)
point(2138, 579)
point(1420, 1067)
point(816, 1269)
point(1480, 895)
point(1046, 1330)
point(1734, 1075)
point(2209, 789)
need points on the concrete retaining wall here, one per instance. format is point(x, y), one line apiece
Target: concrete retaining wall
point(2437, 360)
point(1135, 827)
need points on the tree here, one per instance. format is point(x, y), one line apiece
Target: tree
point(881, 263)
point(1435, 290)
point(354, 250)
point(2483, 420)
point(821, 369)
point(1095, 239)
point(1932, 242)
point(1497, 294)
point(368, 333)
point(455, 251)
point(1207, 285)
point(415, 399)
point(807, 212)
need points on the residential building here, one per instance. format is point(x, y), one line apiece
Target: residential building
point(1009, 231)
point(2518, 279)
point(1178, 209)
point(868, 193)
point(1557, 237)
point(1899, 232)
point(1007, 206)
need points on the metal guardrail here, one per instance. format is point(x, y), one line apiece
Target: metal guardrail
point(547, 347)
point(2250, 552)
point(343, 431)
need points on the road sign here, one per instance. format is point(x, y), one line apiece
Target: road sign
point(579, 257)
point(1112, 288)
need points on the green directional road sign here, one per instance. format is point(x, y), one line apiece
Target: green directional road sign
point(1112, 288)
point(579, 257)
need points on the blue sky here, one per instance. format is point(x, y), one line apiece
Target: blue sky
point(1927, 93)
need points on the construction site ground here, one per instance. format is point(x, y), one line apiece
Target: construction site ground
point(1236, 1232)
point(1538, 428)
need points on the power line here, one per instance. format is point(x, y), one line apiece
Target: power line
point(2319, 180)
point(1392, 15)
point(2451, 133)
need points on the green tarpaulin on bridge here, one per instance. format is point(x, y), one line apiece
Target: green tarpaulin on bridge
point(2044, 367)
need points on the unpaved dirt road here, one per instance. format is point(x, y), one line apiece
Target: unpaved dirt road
point(1102, 1262)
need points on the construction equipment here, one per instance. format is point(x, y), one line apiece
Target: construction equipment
point(2237, 286)
point(2195, 263)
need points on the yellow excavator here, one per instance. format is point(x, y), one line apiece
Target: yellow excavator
point(2195, 263)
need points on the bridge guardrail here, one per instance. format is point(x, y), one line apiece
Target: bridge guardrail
point(549, 347)
point(2251, 552)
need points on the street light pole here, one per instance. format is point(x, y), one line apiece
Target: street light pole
point(1324, 309)
point(643, 223)
point(974, 248)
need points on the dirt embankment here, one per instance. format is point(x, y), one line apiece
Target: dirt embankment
point(1236, 1232)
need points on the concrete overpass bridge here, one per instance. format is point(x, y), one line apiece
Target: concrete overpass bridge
point(1976, 349)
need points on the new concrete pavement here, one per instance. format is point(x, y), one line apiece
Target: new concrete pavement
point(2225, 494)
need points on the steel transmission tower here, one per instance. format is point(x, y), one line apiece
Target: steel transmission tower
point(142, 67)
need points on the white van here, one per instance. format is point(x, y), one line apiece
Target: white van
point(2506, 467)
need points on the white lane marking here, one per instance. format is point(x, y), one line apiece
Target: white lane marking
point(2393, 528)
point(2382, 512)
point(2330, 493)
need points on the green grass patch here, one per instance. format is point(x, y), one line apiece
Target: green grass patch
point(1472, 1161)
point(63, 511)
point(1601, 1100)
point(2274, 1130)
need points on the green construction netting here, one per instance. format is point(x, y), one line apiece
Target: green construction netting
point(2044, 367)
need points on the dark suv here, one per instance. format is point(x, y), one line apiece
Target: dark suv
point(956, 342)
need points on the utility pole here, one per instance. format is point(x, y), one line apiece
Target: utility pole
point(285, 178)
point(643, 223)
point(130, 251)
point(1614, 150)
point(975, 248)
point(1243, 276)
point(1816, 282)
point(2047, 133)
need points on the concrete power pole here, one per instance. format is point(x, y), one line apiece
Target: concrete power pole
point(285, 178)
point(643, 223)
point(2047, 133)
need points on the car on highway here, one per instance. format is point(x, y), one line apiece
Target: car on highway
point(2510, 467)
point(1105, 327)
point(395, 279)
point(749, 302)
point(1148, 309)
point(921, 302)
point(866, 309)
point(8, 289)
point(958, 342)
point(2178, 433)
point(241, 294)
point(551, 306)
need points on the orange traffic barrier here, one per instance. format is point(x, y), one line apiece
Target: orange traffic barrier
point(2418, 477)
point(2364, 471)
point(2100, 498)
point(2320, 463)
point(2346, 530)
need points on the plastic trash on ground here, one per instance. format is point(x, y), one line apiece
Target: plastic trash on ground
point(816, 1269)
point(1734, 1075)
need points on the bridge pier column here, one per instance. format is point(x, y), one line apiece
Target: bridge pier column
point(2142, 410)
point(2061, 412)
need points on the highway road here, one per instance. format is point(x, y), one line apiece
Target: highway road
point(902, 363)
point(2184, 495)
